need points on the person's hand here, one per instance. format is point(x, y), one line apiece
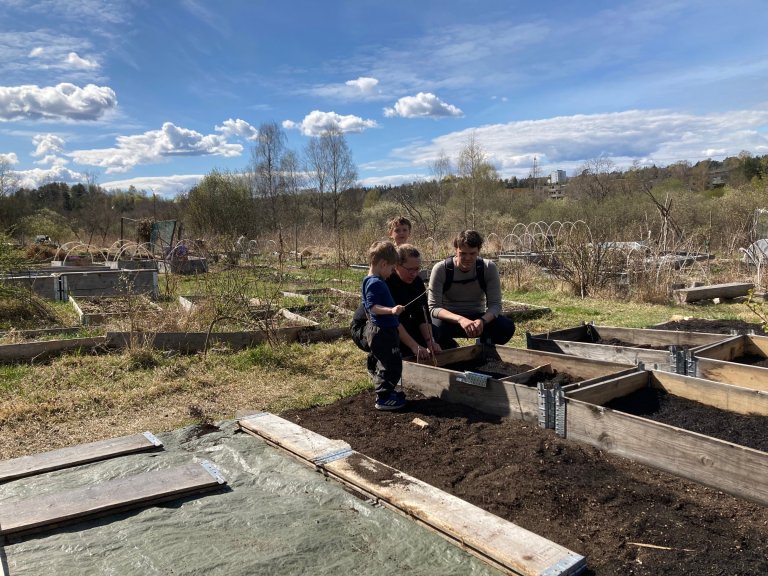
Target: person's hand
point(422, 353)
point(434, 347)
point(399, 309)
point(473, 328)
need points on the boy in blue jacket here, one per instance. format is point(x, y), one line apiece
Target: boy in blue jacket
point(381, 331)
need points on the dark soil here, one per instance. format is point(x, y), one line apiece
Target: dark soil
point(617, 342)
point(497, 369)
point(752, 360)
point(593, 503)
point(656, 404)
point(713, 326)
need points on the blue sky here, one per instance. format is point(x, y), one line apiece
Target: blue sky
point(157, 93)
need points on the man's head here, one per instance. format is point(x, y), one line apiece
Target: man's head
point(382, 257)
point(467, 244)
point(399, 230)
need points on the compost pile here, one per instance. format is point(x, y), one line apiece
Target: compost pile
point(611, 510)
point(713, 326)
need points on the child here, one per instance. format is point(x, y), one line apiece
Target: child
point(399, 230)
point(382, 330)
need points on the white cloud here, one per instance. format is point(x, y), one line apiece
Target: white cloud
point(392, 180)
point(57, 173)
point(316, 122)
point(60, 102)
point(566, 142)
point(168, 186)
point(364, 84)
point(75, 61)
point(10, 158)
point(423, 105)
point(47, 144)
point(36, 52)
point(154, 146)
point(363, 87)
point(237, 129)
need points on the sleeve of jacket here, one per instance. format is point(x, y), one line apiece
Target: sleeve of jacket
point(492, 288)
point(436, 282)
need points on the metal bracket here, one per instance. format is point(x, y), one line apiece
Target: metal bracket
point(153, 439)
point(551, 408)
point(678, 358)
point(691, 364)
point(213, 471)
point(332, 456)
point(473, 378)
point(546, 416)
point(558, 402)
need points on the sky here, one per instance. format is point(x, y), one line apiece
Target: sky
point(158, 93)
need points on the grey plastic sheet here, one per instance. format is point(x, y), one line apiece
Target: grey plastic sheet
point(276, 516)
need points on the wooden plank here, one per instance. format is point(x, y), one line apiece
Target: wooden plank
point(76, 455)
point(650, 337)
point(35, 350)
point(728, 349)
point(573, 365)
point(291, 437)
point(724, 466)
point(754, 344)
point(293, 317)
point(744, 375)
point(485, 535)
point(33, 514)
point(729, 290)
point(607, 390)
point(658, 359)
point(716, 394)
point(195, 341)
point(497, 397)
point(456, 355)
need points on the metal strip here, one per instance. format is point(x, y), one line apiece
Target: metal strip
point(473, 378)
point(152, 438)
point(332, 456)
point(558, 402)
point(542, 400)
point(210, 467)
point(567, 566)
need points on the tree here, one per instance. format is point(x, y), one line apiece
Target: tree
point(316, 166)
point(338, 171)
point(475, 171)
point(595, 179)
point(9, 180)
point(267, 181)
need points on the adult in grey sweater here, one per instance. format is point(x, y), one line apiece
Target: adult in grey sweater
point(465, 309)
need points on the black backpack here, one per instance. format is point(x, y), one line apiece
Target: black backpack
point(479, 274)
point(357, 328)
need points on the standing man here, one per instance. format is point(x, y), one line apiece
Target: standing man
point(465, 295)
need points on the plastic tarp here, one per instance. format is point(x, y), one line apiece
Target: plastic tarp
point(275, 516)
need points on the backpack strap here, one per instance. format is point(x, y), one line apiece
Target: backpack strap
point(479, 274)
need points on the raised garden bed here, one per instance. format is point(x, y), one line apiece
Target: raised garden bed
point(102, 309)
point(712, 326)
point(625, 518)
point(654, 349)
point(519, 311)
point(740, 360)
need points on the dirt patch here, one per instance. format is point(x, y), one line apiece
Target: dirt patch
point(752, 360)
point(713, 326)
point(617, 342)
point(593, 503)
point(656, 404)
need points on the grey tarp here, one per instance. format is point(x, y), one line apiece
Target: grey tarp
point(276, 516)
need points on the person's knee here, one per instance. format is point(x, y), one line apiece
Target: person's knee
point(503, 330)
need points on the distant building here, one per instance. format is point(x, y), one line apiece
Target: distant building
point(557, 177)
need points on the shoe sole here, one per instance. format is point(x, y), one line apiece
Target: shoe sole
point(385, 407)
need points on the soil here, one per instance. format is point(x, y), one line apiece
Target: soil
point(499, 369)
point(617, 342)
point(713, 326)
point(752, 360)
point(656, 404)
point(611, 510)
point(116, 305)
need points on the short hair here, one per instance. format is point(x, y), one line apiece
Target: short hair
point(406, 251)
point(382, 250)
point(470, 238)
point(396, 221)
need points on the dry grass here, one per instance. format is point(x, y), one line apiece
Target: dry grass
point(80, 398)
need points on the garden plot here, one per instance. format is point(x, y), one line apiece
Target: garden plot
point(103, 309)
point(340, 298)
point(656, 349)
point(625, 518)
point(678, 445)
point(503, 381)
point(740, 360)
point(520, 311)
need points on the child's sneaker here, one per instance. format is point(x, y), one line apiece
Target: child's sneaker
point(393, 401)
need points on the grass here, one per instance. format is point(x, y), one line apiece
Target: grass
point(83, 397)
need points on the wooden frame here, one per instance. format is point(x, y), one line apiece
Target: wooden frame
point(722, 465)
point(714, 362)
point(46, 348)
point(501, 397)
point(488, 537)
point(581, 341)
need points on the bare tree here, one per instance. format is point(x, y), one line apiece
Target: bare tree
point(267, 183)
point(316, 167)
point(292, 183)
point(340, 171)
point(9, 180)
point(595, 179)
point(475, 170)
